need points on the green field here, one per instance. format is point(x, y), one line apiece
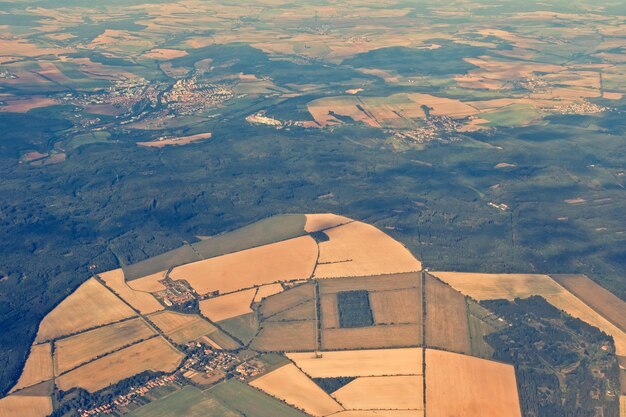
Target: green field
point(243, 327)
point(249, 402)
point(189, 402)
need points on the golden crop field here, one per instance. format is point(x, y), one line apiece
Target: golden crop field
point(24, 406)
point(396, 306)
point(382, 392)
point(154, 354)
point(509, 286)
point(358, 249)
point(318, 222)
point(286, 336)
point(181, 328)
point(149, 283)
point(329, 311)
point(375, 362)
point(445, 305)
point(380, 413)
point(267, 290)
point(228, 306)
point(387, 282)
point(289, 384)
point(90, 305)
point(287, 299)
point(304, 311)
point(286, 260)
point(143, 302)
point(468, 386)
point(399, 335)
point(598, 298)
point(38, 367)
point(78, 349)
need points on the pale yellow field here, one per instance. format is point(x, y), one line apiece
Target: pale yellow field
point(23, 406)
point(228, 306)
point(317, 222)
point(622, 406)
point(289, 384)
point(329, 311)
point(400, 306)
point(287, 260)
point(382, 392)
point(401, 335)
point(181, 328)
point(149, 283)
point(389, 282)
point(380, 413)
point(509, 286)
point(460, 385)
point(446, 317)
point(161, 53)
point(360, 249)
point(89, 306)
point(76, 350)
point(143, 302)
point(184, 140)
point(38, 367)
point(286, 336)
point(376, 362)
point(288, 299)
point(155, 354)
point(266, 291)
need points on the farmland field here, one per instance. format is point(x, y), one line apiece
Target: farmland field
point(383, 392)
point(153, 354)
point(181, 328)
point(301, 391)
point(228, 306)
point(23, 406)
point(79, 312)
point(287, 299)
point(286, 336)
point(189, 401)
point(397, 306)
point(250, 402)
point(144, 303)
point(75, 350)
point(285, 260)
point(389, 336)
point(38, 367)
point(243, 327)
point(463, 385)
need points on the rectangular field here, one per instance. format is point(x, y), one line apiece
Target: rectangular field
point(382, 392)
point(375, 362)
point(78, 349)
point(460, 385)
point(286, 336)
point(329, 311)
point(397, 306)
point(188, 402)
point(89, 306)
point(24, 406)
point(287, 299)
point(181, 328)
point(38, 367)
point(371, 283)
point(446, 317)
point(155, 354)
point(386, 336)
point(289, 384)
point(243, 327)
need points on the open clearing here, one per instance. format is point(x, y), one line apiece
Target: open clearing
point(463, 385)
point(383, 392)
point(289, 384)
point(155, 354)
point(78, 349)
point(183, 140)
point(357, 249)
point(446, 317)
point(375, 362)
point(38, 366)
point(143, 302)
point(181, 328)
point(400, 335)
point(89, 306)
point(509, 286)
point(286, 336)
point(228, 306)
point(287, 260)
point(23, 406)
point(318, 222)
point(601, 300)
